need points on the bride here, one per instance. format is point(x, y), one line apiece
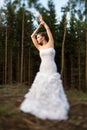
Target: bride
point(46, 98)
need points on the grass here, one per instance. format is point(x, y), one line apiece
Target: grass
point(10, 99)
point(75, 95)
point(13, 90)
point(5, 112)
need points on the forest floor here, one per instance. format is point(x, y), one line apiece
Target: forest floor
point(11, 118)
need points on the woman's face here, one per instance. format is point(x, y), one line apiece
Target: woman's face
point(39, 38)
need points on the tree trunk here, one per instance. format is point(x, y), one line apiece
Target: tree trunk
point(22, 51)
point(72, 73)
point(10, 65)
point(65, 75)
point(3, 81)
point(6, 56)
point(29, 68)
point(86, 64)
point(79, 70)
point(24, 69)
point(18, 67)
point(62, 60)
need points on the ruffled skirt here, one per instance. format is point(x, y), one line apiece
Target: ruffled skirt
point(46, 98)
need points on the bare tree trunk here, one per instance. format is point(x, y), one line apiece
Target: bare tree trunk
point(65, 75)
point(3, 70)
point(10, 65)
point(18, 68)
point(79, 69)
point(62, 60)
point(22, 49)
point(86, 64)
point(29, 69)
point(24, 70)
point(6, 57)
point(72, 73)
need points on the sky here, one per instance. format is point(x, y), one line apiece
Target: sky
point(58, 5)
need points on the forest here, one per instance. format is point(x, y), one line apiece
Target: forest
point(19, 59)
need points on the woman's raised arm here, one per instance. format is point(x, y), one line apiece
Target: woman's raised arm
point(33, 37)
point(49, 33)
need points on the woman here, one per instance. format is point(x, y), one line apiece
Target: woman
point(46, 98)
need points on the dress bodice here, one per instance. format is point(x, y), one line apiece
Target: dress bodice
point(47, 60)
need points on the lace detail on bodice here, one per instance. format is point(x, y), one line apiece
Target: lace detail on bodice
point(47, 61)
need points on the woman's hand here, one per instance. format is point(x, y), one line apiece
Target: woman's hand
point(41, 20)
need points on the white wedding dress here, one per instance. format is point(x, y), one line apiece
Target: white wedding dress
point(46, 98)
